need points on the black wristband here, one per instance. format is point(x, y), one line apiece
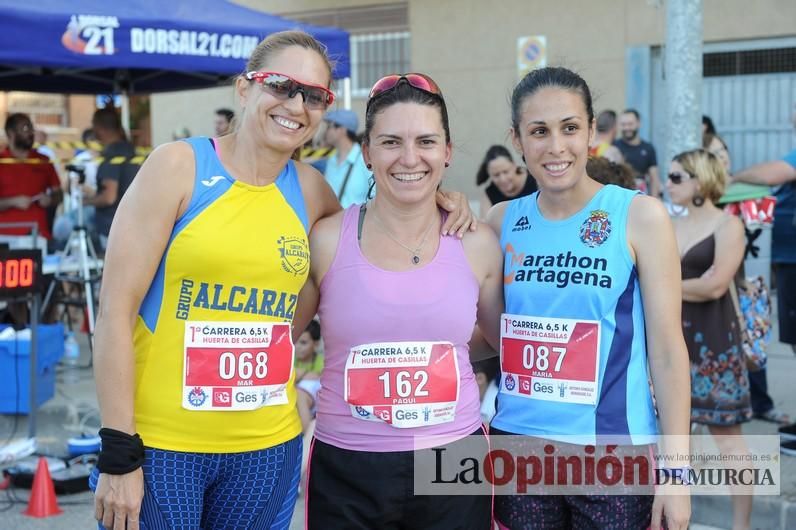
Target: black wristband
point(121, 453)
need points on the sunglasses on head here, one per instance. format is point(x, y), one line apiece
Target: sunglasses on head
point(419, 81)
point(284, 87)
point(677, 178)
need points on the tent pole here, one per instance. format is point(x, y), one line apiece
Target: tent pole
point(126, 114)
point(347, 93)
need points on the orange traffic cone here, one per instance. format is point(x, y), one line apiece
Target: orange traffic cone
point(42, 501)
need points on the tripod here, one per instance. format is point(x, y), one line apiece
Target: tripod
point(79, 258)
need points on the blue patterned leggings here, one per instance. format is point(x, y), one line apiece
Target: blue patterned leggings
point(254, 490)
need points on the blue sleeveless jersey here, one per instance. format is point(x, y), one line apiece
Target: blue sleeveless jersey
point(579, 268)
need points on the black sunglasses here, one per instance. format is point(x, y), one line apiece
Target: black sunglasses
point(677, 178)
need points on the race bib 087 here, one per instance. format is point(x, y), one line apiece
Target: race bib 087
point(551, 359)
point(236, 365)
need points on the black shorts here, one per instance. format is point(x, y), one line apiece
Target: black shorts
point(786, 301)
point(367, 490)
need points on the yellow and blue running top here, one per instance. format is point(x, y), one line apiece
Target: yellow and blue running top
point(239, 254)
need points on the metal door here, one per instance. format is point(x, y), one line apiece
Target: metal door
point(753, 114)
point(752, 105)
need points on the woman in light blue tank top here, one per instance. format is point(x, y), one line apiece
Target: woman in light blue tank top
point(591, 283)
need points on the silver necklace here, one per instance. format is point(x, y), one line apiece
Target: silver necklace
point(414, 251)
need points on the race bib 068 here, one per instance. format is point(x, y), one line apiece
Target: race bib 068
point(236, 365)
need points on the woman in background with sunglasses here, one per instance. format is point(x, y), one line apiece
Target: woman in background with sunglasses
point(194, 358)
point(398, 303)
point(711, 244)
point(596, 268)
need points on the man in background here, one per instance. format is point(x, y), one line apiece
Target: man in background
point(28, 181)
point(345, 172)
point(781, 174)
point(223, 122)
point(113, 176)
point(638, 153)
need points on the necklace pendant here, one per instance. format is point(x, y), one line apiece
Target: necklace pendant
point(415, 259)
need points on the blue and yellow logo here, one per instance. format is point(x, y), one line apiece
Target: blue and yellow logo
point(295, 254)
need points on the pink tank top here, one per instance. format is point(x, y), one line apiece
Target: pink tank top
point(392, 341)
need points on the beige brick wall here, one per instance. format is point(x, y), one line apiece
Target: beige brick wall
point(194, 110)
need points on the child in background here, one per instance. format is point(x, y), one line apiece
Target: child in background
point(309, 364)
point(486, 375)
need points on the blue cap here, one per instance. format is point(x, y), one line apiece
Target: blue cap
point(343, 118)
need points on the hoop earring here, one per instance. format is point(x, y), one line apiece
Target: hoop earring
point(523, 160)
point(698, 200)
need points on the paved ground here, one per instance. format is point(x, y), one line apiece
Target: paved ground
point(75, 403)
point(73, 410)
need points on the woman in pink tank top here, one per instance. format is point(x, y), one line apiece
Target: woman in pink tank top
point(398, 305)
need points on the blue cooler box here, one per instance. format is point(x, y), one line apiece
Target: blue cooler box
point(15, 368)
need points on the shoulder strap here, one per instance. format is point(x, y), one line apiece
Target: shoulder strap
point(737, 306)
point(362, 209)
point(345, 181)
